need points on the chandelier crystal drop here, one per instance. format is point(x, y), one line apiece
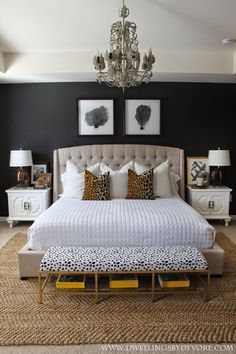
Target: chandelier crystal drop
point(123, 57)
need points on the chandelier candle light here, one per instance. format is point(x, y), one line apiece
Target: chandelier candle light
point(123, 57)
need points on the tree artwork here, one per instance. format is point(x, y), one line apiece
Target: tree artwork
point(97, 117)
point(142, 115)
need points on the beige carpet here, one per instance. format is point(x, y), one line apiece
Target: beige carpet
point(76, 320)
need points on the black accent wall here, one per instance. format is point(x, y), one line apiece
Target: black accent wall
point(43, 116)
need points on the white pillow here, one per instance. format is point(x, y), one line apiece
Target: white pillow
point(118, 179)
point(174, 179)
point(161, 178)
point(74, 181)
point(70, 167)
point(63, 180)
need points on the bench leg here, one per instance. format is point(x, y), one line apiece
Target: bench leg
point(153, 287)
point(96, 288)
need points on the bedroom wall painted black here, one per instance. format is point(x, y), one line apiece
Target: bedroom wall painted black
point(41, 117)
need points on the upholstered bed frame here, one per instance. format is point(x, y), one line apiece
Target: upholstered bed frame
point(115, 156)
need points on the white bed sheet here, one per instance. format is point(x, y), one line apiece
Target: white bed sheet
point(120, 222)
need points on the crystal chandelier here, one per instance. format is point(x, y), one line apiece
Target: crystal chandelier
point(123, 57)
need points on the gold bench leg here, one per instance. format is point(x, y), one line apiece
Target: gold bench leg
point(96, 287)
point(153, 287)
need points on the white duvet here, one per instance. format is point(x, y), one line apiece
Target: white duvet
point(120, 222)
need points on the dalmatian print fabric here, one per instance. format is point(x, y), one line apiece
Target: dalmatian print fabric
point(104, 259)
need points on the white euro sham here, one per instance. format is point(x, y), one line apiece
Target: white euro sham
point(118, 179)
point(73, 180)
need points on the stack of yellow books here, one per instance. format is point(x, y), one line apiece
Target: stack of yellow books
point(118, 281)
point(70, 282)
point(179, 280)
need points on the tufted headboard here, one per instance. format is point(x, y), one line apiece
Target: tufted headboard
point(116, 156)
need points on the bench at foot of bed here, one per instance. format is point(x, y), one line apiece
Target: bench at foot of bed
point(29, 261)
point(184, 265)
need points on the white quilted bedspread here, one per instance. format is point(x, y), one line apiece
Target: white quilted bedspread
point(120, 222)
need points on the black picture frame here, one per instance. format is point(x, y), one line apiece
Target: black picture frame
point(150, 124)
point(95, 117)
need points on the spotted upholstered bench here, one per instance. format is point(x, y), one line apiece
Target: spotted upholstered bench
point(98, 262)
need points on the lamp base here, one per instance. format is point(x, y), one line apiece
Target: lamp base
point(216, 176)
point(22, 178)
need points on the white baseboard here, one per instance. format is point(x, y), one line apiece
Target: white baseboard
point(233, 217)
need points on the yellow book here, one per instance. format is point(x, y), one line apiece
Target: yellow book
point(123, 281)
point(70, 282)
point(173, 280)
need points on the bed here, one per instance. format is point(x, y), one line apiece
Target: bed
point(165, 221)
point(120, 223)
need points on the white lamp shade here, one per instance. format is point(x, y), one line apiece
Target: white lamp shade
point(21, 158)
point(218, 158)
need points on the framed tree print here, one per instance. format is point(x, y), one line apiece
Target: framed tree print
point(95, 117)
point(142, 117)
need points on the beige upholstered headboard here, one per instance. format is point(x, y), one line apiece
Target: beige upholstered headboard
point(116, 156)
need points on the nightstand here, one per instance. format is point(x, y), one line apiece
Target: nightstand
point(26, 203)
point(211, 202)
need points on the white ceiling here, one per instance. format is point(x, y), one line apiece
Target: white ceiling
point(185, 35)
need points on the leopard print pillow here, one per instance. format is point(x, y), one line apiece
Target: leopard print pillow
point(96, 188)
point(140, 186)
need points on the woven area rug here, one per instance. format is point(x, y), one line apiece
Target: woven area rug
point(76, 320)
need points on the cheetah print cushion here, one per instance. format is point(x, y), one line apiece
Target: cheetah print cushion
point(107, 259)
point(96, 188)
point(140, 186)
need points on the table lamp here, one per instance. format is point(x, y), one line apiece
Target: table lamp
point(218, 158)
point(21, 158)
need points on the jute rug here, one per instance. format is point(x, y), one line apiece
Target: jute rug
point(76, 320)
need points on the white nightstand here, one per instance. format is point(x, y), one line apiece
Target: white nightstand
point(26, 203)
point(211, 202)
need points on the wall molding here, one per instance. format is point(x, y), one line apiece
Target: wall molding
point(206, 66)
